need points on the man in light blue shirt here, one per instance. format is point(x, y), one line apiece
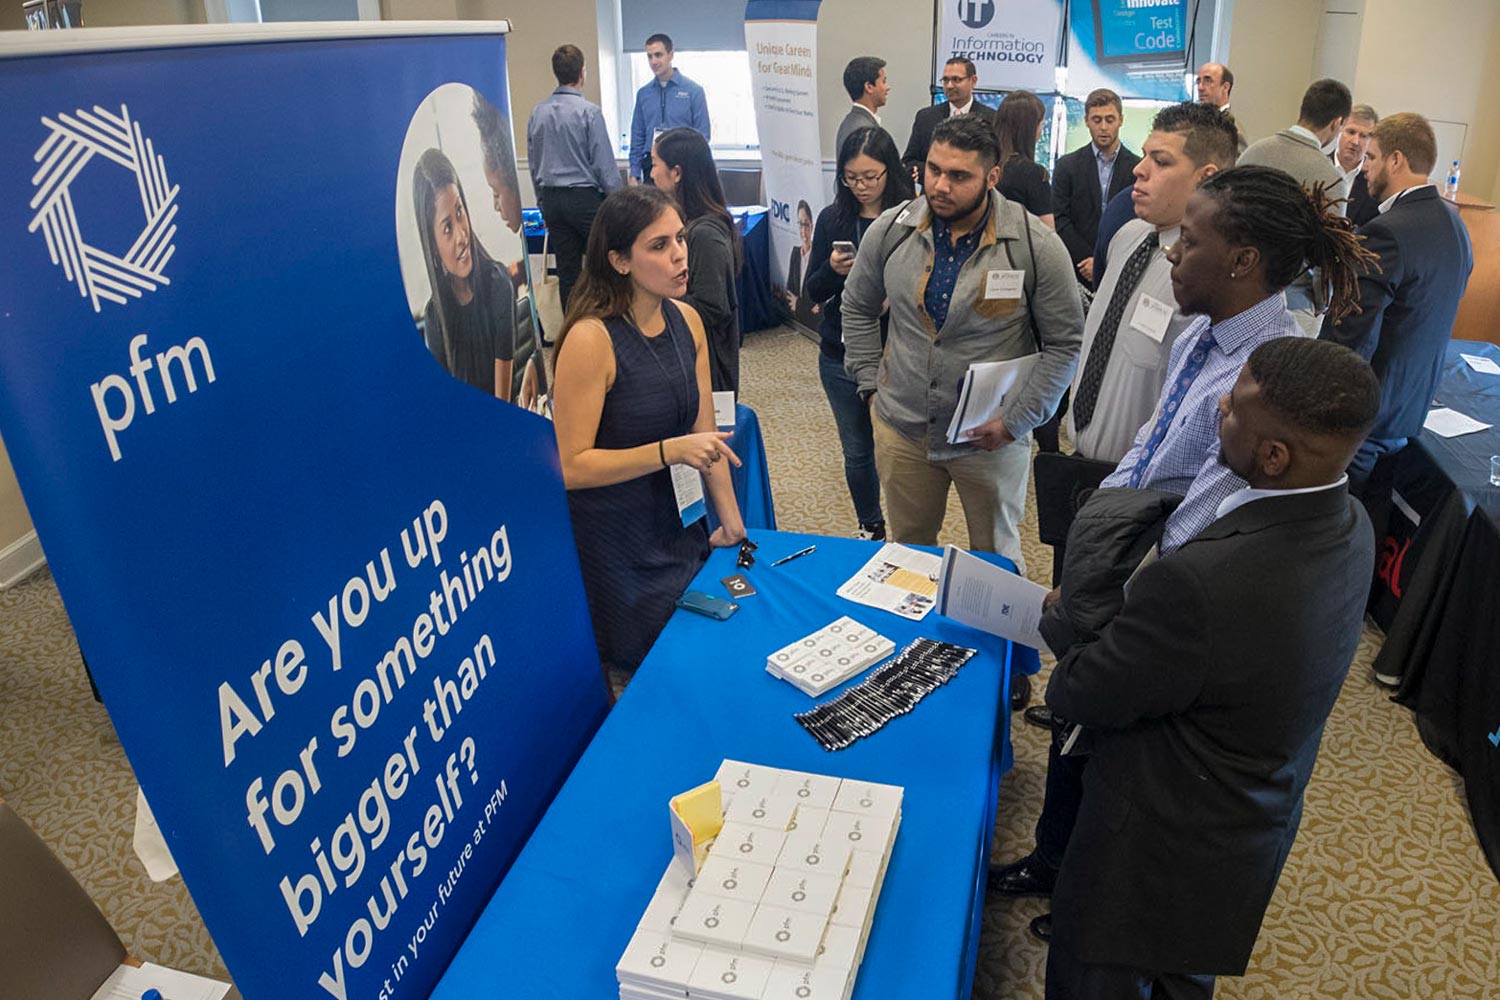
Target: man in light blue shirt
point(572, 164)
point(670, 100)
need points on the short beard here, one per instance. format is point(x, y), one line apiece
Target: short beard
point(965, 212)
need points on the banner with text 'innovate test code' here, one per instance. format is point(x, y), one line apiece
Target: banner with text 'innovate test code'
point(264, 365)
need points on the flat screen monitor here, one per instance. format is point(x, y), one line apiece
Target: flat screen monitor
point(1140, 33)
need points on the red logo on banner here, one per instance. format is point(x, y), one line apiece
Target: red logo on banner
point(1391, 560)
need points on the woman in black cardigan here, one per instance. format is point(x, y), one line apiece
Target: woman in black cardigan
point(870, 180)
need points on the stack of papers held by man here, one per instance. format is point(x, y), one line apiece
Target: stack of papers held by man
point(983, 393)
point(782, 908)
point(830, 656)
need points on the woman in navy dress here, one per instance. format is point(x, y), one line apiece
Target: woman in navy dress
point(632, 400)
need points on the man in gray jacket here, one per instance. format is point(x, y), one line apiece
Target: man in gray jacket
point(1302, 151)
point(969, 277)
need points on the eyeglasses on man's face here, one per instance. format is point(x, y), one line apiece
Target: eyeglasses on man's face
point(861, 180)
point(952, 81)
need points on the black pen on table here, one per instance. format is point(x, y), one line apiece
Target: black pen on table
point(800, 552)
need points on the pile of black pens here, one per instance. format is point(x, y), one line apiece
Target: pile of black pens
point(892, 689)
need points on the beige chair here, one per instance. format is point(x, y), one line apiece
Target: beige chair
point(54, 942)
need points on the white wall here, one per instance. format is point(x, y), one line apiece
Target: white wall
point(898, 31)
point(1440, 58)
point(1271, 45)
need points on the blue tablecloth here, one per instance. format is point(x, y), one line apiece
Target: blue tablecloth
point(752, 480)
point(757, 308)
point(564, 913)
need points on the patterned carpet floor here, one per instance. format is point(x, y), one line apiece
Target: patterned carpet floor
point(1385, 895)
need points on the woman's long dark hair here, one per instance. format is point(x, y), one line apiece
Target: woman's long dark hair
point(699, 192)
point(435, 172)
point(877, 144)
point(1016, 120)
point(602, 292)
point(1293, 228)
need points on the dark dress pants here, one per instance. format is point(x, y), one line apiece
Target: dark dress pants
point(569, 214)
point(1060, 801)
point(1070, 979)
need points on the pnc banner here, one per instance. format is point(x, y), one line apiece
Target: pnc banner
point(781, 37)
point(265, 366)
point(1012, 43)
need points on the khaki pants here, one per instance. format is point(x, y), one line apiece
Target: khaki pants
point(991, 487)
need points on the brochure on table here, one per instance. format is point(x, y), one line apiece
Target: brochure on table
point(323, 576)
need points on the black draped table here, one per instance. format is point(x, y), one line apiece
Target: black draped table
point(1437, 588)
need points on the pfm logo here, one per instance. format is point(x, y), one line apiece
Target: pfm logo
point(976, 13)
point(75, 141)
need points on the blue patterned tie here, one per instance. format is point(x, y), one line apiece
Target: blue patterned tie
point(1184, 382)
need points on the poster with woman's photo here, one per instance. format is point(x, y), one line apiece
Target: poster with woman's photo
point(462, 249)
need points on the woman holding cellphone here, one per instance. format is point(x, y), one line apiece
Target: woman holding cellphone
point(871, 180)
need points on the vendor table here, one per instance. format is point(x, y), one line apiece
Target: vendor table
point(563, 914)
point(1437, 592)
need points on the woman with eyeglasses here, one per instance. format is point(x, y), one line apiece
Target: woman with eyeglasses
point(871, 180)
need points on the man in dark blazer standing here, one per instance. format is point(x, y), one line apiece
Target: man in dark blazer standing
point(1408, 305)
point(1206, 696)
point(1085, 179)
point(959, 80)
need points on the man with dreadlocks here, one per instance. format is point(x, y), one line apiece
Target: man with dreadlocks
point(1245, 236)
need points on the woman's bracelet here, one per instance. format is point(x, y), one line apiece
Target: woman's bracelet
point(661, 449)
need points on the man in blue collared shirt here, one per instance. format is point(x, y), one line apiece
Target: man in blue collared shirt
point(572, 164)
point(666, 102)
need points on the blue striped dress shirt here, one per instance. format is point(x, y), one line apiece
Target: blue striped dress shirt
point(1187, 460)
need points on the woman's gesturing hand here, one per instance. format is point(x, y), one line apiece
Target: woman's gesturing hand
point(701, 451)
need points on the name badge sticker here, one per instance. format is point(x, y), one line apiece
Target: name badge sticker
point(1001, 284)
point(687, 484)
point(1152, 317)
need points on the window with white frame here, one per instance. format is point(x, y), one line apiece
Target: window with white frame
point(725, 79)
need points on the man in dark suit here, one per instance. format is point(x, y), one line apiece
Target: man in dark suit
point(868, 88)
point(1206, 696)
point(1086, 178)
point(959, 80)
point(1408, 304)
point(1349, 158)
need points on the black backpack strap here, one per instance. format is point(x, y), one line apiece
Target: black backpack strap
point(886, 247)
point(1028, 274)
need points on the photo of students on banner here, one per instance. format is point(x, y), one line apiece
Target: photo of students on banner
point(463, 258)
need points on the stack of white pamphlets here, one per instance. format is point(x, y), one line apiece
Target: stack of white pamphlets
point(830, 656)
point(782, 907)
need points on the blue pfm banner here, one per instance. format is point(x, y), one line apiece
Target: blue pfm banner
point(262, 308)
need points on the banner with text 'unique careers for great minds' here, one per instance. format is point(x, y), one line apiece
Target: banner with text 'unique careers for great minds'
point(265, 313)
point(781, 37)
point(1012, 43)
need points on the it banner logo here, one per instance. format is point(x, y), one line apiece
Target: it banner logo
point(74, 142)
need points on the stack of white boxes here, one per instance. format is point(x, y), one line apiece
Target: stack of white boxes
point(782, 908)
point(830, 656)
